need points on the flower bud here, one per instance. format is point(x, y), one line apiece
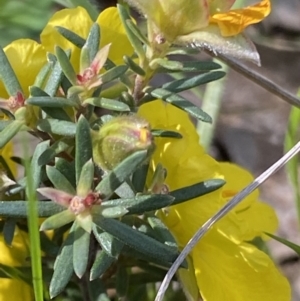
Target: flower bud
point(119, 138)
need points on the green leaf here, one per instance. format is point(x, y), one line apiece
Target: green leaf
point(58, 220)
point(136, 31)
point(93, 41)
point(111, 212)
point(141, 203)
point(192, 66)
point(66, 65)
point(107, 103)
point(133, 66)
point(51, 102)
point(181, 103)
point(80, 251)
point(9, 230)
point(120, 173)
point(18, 209)
point(134, 40)
point(291, 138)
point(166, 134)
point(11, 129)
point(56, 148)
point(86, 179)
point(67, 169)
point(91, 8)
point(71, 36)
point(59, 181)
point(162, 232)
point(8, 76)
point(166, 64)
point(83, 145)
point(55, 77)
point(35, 168)
point(287, 243)
point(102, 262)
point(139, 178)
point(42, 76)
point(196, 190)
point(56, 126)
point(57, 113)
point(183, 84)
point(108, 243)
point(113, 73)
point(36, 92)
point(63, 267)
point(136, 240)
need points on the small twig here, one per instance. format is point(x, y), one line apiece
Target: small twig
point(259, 79)
point(222, 212)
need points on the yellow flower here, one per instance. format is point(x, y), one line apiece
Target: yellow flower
point(204, 23)
point(79, 21)
point(26, 58)
point(224, 265)
point(15, 256)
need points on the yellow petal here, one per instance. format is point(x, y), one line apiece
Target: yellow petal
point(235, 21)
point(26, 57)
point(74, 19)
point(112, 31)
point(229, 272)
point(16, 255)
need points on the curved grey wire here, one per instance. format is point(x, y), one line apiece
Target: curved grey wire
point(223, 211)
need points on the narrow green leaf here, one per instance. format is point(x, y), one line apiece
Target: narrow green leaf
point(50, 102)
point(166, 134)
point(4, 124)
point(162, 232)
point(58, 220)
point(113, 212)
point(71, 36)
point(35, 168)
point(139, 178)
point(55, 77)
point(166, 64)
point(93, 41)
point(141, 203)
point(11, 129)
point(291, 138)
point(133, 66)
point(42, 76)
point(181, 103)
point(136, 240)
point(63, 267)
point(80, 251)
point(66, 65)
point(196, 190)
point(9, 230)
point(136, 31)
point(90, 7)
point(56, 113)
point(134, 40)
point(183, 84)
point(285, 242)
point(192, 66)
point(107, 103)
point(108, 243)
point(56, 148)
point(67, 169)
point(56, 126)
point(86, 179)
point(8, 76)
point(36, 92)
point(59, 181)
point(83, 145)
point(120, 173)
point(102, 262)
point(18, 209)
point(113, 73)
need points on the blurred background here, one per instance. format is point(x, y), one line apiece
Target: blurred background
point(252, 123)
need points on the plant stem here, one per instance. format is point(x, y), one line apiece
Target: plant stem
point(211, 105)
